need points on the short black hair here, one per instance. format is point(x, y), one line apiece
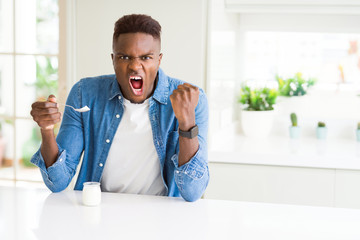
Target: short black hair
point(137, 23)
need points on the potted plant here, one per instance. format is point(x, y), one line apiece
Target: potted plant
point(292, 93)
point(294, 129)
point(358, 132)
point(295, 86)
point(257, 110)
point(321, 130)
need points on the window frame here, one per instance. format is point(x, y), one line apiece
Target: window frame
point(62, 76)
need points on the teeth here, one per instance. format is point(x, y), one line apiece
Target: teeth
point(136, 78)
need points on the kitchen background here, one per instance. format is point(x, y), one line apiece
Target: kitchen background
point(307, 51)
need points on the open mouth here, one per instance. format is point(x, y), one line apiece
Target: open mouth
point(136, 83)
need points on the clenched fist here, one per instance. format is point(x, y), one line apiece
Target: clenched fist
point(184, 100)
point(46, 114)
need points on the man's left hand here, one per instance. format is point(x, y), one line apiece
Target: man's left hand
point(184, 100)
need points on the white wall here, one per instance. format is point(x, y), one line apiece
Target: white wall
point(222, 65)
point(183, 35)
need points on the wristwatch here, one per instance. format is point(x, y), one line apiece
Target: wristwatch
point(193, 132)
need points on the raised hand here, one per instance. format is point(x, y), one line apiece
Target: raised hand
point(184, 100)
point(46, 114)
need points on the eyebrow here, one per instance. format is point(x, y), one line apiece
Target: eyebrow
point(124, 54)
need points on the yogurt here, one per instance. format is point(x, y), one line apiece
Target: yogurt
point(91, 195)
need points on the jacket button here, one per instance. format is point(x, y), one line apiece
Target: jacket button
point(117, 115)
point(107, 140)
point(100, 164)
point(119, 97)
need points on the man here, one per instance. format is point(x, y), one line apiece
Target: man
point(145, 132)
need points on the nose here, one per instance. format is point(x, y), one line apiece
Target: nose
point(135, 64)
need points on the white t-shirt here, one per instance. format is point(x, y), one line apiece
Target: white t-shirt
point(133, 165)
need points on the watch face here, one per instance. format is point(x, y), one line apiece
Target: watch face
point(194, 131)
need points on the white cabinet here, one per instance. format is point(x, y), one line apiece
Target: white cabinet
point(347, 188)
point(259, 183)
point(279, 170)
point(286, 185)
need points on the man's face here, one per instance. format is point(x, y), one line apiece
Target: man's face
point(136, 58)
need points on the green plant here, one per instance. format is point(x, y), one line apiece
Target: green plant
point(30, 147)
point(293, 119)
point(261, 99)
point(295, 86)
point(358, 126)
point(321, 124)
point(46, 78)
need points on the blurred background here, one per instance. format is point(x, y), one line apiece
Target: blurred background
point(307, 52)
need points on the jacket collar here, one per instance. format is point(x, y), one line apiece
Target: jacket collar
point(114, 88)
point(161, 93)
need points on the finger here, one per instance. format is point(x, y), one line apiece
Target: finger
point(51, 98)
point(46, 117)
point(188, 87)
point(177, 93)
point(183, 87)
point(43, 111)
point(36, 105)
point(183, 91)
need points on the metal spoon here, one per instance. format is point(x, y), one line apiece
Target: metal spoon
point(83, 109)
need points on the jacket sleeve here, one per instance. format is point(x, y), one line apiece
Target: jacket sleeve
point(192, 178)
point(70, 141)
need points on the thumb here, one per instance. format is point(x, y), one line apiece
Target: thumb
point(51, 98)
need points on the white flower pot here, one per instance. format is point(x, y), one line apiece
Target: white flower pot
point(257, 124)
point(321, 133)
point(297, 104)
point(358, 135)
point(294, 132)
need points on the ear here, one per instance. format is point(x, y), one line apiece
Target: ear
point(160, 57)
point(112, 57)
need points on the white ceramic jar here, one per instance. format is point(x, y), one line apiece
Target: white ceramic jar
point(91, 195)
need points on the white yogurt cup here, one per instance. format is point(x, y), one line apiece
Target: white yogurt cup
point(91, 195)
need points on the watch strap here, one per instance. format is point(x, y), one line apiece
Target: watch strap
point(193, 132)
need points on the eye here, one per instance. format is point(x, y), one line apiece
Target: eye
point(123, 57)
point(146, 58)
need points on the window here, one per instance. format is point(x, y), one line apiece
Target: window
point(332, 58)
point(29, 57)
point(256, 46)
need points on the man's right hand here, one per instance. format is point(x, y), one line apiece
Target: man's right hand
point(46, 114)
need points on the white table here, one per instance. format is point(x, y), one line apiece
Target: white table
point(39, 214)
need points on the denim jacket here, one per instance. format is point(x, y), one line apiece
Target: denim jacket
point(91, 134)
